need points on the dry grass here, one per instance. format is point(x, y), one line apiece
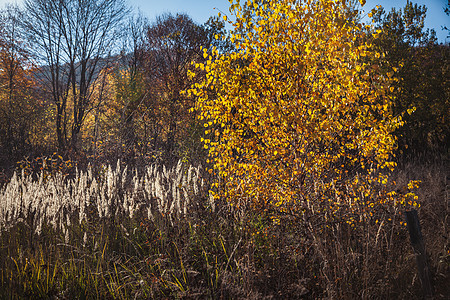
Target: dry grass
point(119, 234)
point(111, 192)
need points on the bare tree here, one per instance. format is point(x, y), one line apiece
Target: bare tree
point(72, 41)
point(133, 96)
point(172, 43)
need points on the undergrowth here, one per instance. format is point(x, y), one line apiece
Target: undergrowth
point(218, 252)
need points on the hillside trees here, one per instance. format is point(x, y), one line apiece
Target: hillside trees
point(118, 118)
point(143, 111)
point(300, 121)
point(71, 40)
point(100, 100)
point(130, 85)
point(172, 47)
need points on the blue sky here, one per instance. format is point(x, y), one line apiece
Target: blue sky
point(436, 18)
point(201, 10)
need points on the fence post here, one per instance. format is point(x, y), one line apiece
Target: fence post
point(412, 219)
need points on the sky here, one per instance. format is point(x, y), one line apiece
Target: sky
point(201, 10)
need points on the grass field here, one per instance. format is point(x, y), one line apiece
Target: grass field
point(116, 233)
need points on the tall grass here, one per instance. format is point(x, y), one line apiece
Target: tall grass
point(115, 233)
point(112, 193)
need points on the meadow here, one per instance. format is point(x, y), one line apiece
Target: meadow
point(111, 232)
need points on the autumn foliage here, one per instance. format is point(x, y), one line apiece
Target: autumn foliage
point(301, 110)
point(297, 118)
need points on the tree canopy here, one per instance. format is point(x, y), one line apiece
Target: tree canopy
point(298, 117)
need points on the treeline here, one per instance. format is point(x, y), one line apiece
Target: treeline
point(423, 87)
point(87, 79)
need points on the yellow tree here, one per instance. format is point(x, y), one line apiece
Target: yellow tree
point(297, 119)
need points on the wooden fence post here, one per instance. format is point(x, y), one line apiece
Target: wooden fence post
point(418, 245)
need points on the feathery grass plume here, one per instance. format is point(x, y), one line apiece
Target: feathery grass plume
point(85, 239)
point(55, 199)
